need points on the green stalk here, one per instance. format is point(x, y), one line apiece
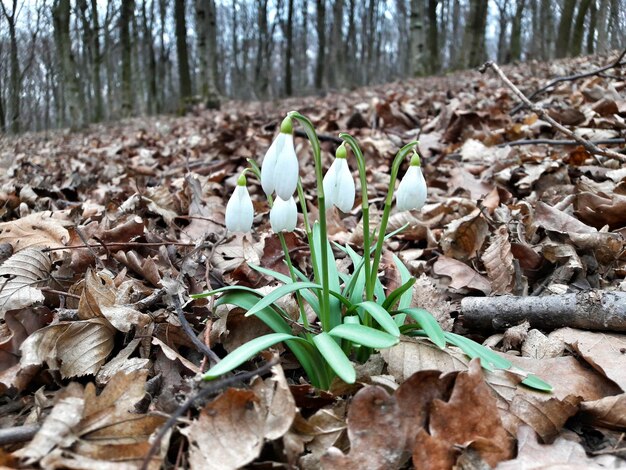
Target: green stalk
point(365, 209)
point(395, 167)
point(321, 201)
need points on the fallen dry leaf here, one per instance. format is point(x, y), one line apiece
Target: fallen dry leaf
point(19, 277)
point(461, 275)
point(498, 261)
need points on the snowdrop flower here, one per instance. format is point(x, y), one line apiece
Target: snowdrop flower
point(412, 189)
point(239, 211)
point(284, 215)
point(339, 187)
point(279, 171)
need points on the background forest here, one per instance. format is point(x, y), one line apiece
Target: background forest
point(67, 63)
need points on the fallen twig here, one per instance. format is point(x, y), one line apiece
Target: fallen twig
point(589, 310)
point(589, 146)
point(18, 434)
point(210, 389)
point(570, 78)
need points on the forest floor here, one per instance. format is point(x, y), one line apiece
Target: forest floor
point(105, 232)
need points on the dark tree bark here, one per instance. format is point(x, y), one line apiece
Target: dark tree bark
point(14, 67)
point(289, 51)
point(321, 43)
point(71, 84)
point(474, 37)
point(184, 77)
point(515, 50)
point(126, 14)
point(579, 28)
point(593, 24)
point(150, 57)
point(262, 54)
point(433, 37)
point(565, 28)
point(416, 60)
point(503, 21)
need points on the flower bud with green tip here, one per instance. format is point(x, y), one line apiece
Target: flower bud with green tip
point(339, 189)
point(239, 210)
point(411, 192)
point(284, 215)
point(279, 171)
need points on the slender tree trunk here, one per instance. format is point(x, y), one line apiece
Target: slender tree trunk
point(515, 51)
point(417, 62)
point(289, 51)
point(97, 62)
point(456, 33)
point(126, 13)
point(260, 69)
point(61, 20)
point(475, 33)
point(433, 37)
point(593, 24)
point(321, 43)
point(305, 82)
point(503, 21)
point(163, 56)
point(184, 76)
point(579, 28)
point(336, 49)
point(603, 27)
point(565, 28)
point(15, 88)
point(150, 56)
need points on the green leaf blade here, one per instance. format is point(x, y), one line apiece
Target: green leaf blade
point(428, 324)
point(382, 316)
point(336, 358)
point(364, 335)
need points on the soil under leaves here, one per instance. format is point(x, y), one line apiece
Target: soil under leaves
point(103, 233)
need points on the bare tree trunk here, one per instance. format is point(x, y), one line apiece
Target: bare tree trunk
point(456, 33)
point(336, 52)
point(213, 96)
point(289, 52)
point(207, 50)
point(97, 62)
point(593, 24)
point(603, 27)
point(547, 29)
point(184, 77)
point(260, 70)
point(474, 37)
point(61, 20)
point(15, 89)
point(126, 13)
point(615, 27)
point(150, 57)
point(503, 21)
point(433, 37)
point(565, 28)
point(579, 28)
point(321, 44)
point(163, 56)
point(305, 44)
point(515, 51)
point(416, 47)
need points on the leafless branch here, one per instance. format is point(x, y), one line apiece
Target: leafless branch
point(589, 146)
point(560, 142)
point(570, 78)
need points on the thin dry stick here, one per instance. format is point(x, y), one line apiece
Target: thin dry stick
point(514, 143)
point(570, 78)
point(205, 392)
point(590, 147)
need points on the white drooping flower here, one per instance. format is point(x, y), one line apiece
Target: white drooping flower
point(279, 171)
point(284, 215)
point(339, 189)
point(411, 192)
point(239, 210)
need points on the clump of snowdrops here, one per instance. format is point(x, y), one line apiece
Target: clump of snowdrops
point(354, 314)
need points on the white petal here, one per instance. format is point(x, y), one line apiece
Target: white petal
point(239, 211)
point(284, 215)
point(268, 167)
point(286, 170)
point(346, 191)
point(412, 190)
point(329, 183)
point(339, 186)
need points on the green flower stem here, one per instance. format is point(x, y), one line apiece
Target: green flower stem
point(395, 167)
point(365, 209)
point(294, 278)
point(321, 201)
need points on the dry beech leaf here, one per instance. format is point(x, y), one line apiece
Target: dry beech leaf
point(562, 454)
point(545, 413)
point(464, 237)
point(608, 412)
point(602, 209)
point(603, 351)
point(57, 427)
point(19, 277)
point(231, 430)
point(461, 275)
point(428, 296)
point(38, 230)
point(553, 219)
point(470, 415)
point(74, 348)
point(498, 261)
